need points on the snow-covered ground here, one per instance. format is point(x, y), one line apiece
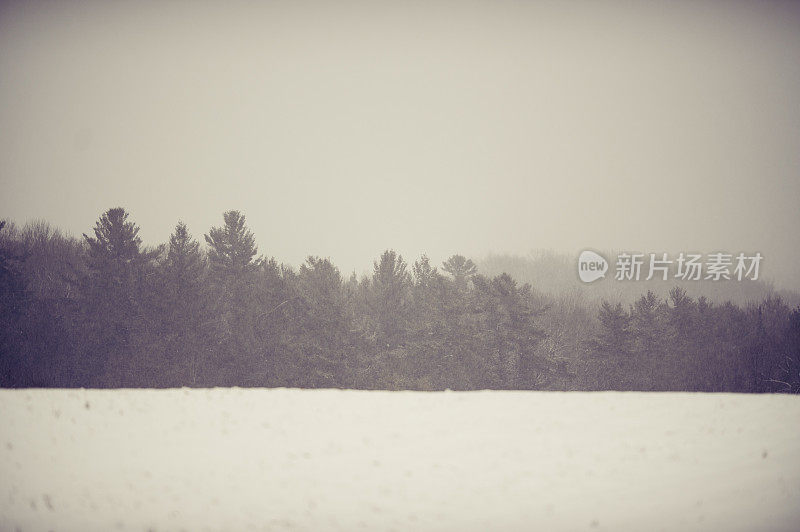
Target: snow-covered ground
point(237, 459)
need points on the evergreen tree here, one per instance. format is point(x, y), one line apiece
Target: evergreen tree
point(508, 334)
point(428, 298)
point(185, 309)
point(12, 306)
point(425, 275)
point(790, 364)
point(683, 368)
point(648, 337)
point(389, 300)
point(727, 338)
point(462, 270)
point(52, 268)
point(243, 290)
point(324, 325)
point(116, 244)
point(320, 285)
point(118, 291)
point(232, 248)
point(433, 353)
point(614, 337)
point(646, 321)
point(682, 314)
point(184, 264)
point(613, 347)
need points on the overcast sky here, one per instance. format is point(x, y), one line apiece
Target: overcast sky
point(342, 129)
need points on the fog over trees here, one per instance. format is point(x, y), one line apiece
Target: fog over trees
point(106, 311)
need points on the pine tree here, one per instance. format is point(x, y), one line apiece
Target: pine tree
point(432, 294)
point(232, 248)
point(53, 265)
point(116, 242)
point(241, 303)
point(118, 290)
point(790, 365)
point(612, 347)
point(645, 318)
point(462, 270)
point(684, 367)
point(12, 304)
point(615, 329)
point(323, 325)
point(185, 308)
point(426, 298)
point(389, 300)
point(508, 334)
point(425, 275)
point(648, 338)
point(682, 313)
point(184, 264)
point(320, 286)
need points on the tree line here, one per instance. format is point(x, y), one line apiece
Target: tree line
point(106, 311)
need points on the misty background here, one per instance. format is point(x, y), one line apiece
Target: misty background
point(439, 128)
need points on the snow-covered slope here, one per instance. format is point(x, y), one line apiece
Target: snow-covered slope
point(235, 459)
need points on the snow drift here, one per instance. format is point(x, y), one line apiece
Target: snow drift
point(239, 459)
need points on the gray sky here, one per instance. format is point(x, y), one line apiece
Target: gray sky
point(344, 129)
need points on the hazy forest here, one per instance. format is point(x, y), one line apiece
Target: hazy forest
point(106, 311)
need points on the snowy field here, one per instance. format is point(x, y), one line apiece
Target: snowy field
point(236, 459)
